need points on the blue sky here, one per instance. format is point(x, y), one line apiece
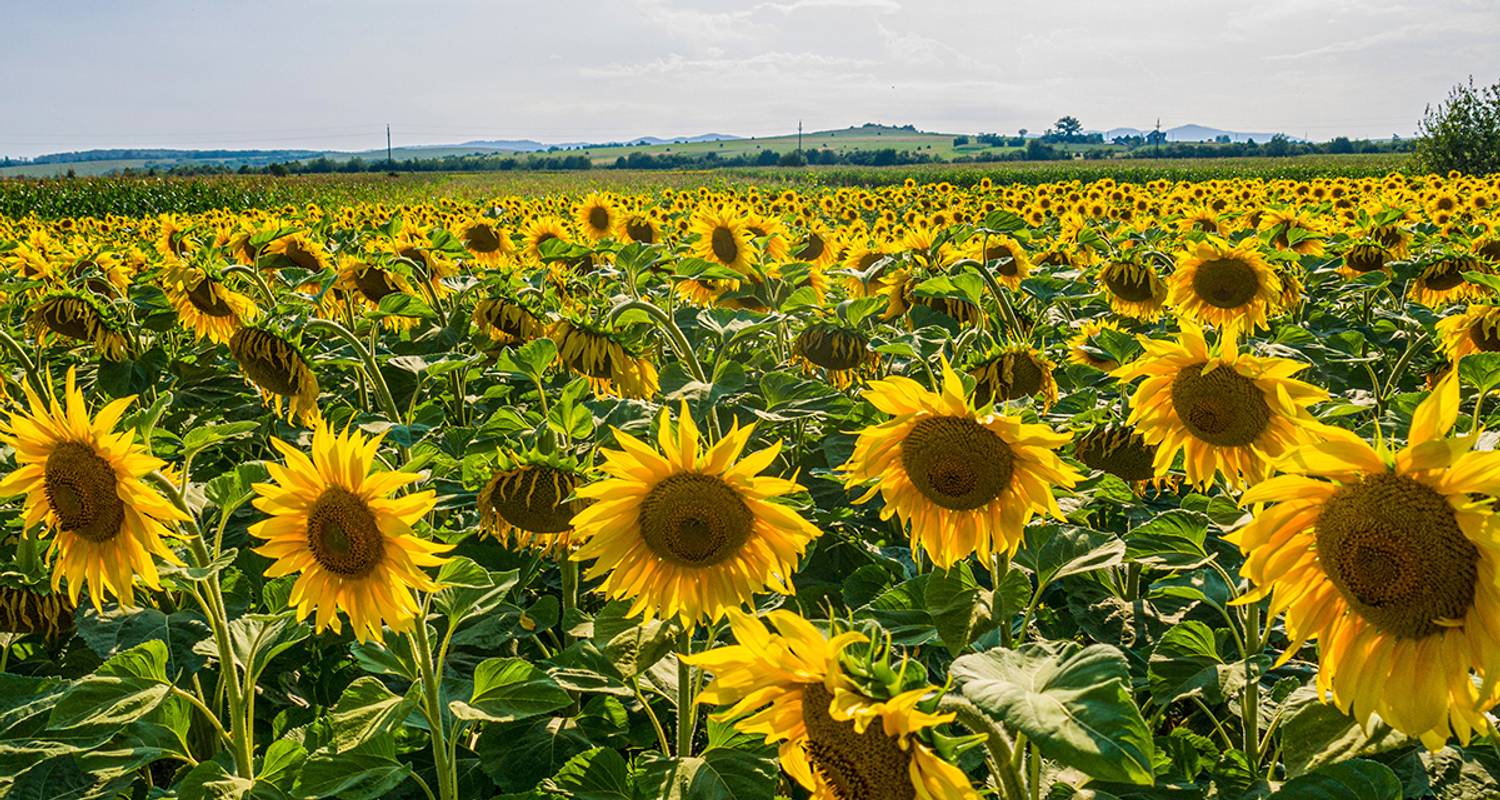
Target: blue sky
point(331, 73)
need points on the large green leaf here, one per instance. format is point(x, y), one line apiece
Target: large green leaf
point(1316, 734)
point(1074, 703)
point(365, 710)
point(958, 606)
point(106, 702)
point(1357, 779)
point(1186, 662)
point(508, 689)
point(720, 773)
point(365, 773)
point(597, 774)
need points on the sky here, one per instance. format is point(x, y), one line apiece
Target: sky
point(330, 74)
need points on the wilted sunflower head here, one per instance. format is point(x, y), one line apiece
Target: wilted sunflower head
point(507, 321)
point(1012, 373)
point(844, 352)
point(1364, 256)
point(598, 355)
point(278, 369)
point(28, 610)
point(1134, 290)
point(528, 503)
point(1118, 450)
point(81, 318)
point(1442, 280)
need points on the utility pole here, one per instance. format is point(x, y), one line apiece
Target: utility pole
point(1157, 137)
point(389, 162)
point(799, 137)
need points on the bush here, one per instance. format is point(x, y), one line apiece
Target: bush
point(1464, 133)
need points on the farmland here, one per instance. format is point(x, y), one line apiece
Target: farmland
point(1158, 479)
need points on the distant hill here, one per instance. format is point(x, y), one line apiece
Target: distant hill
point(1195, 133)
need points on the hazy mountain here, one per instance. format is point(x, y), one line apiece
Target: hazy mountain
point(1195, 133)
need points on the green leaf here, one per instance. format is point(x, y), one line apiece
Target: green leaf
point(1186, 662)
point(367, 773)
point(255, 639)
point(1057, 551)
point(719, 774)
point(1316, 734)
point(1172, 540)
point(597, 774)
point(530, 360)
point(147, 660)
point(106, 702)
point(211, 781)
point(957, 605)
point(235, 488)
point(365, 710)
point(631, 645)
point(1357, 779)
point(198, 438)
point(1075, 704)
point(508, 689)
point(1480, 370)
point(399, 304)
point(701, 270)
point(520, 755)
point(57, 778)
point(470, 590)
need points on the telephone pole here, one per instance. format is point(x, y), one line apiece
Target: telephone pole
point(389, 162)
point(799, 137)
point(1157, 137)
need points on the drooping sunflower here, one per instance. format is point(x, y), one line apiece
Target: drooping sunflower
point(835, 741)
point(900, 288)
point(723, 238)
point(528, 503)
point(689, 532)
point(1010, 262)
point(1228, 412)
point(1390, 562)
point(642, 228)
point(278, 370)
point(345, 534)
point(26, 610)
point(1476, 329)
point(1218, 283)
point(596, 354)
point(206, 306)
point(298, 250)
point(508, 321)
point(1441, 281)
point(1364, 255)
point(597, 216)
point(965, 482)
point(1118, 450)
point(1011, 373)
point(1134, 289)
point(85, 481)
point(368, 283)
point(79, 317)
point(485, 240)
point(840, 350)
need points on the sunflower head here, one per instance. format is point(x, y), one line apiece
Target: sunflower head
point(81, 318)
point(1389, 561)
point(486, 241)
point(1011, 373)
point(528, 503)
point(1134, 289)
point(689, 532)
point(205, 304)
point(278, 369)
point(508, 321)
point(723, 238)
point(86, 482)
point(342, 530)
point(1118, 450)
point(964, 482)
point(597, 216)
point(598, 355)
point(1217, 283)
point(28, 610)
point(843, 351)
point(1442, 282)
point(1476, 329)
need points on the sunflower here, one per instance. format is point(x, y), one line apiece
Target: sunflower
point(597, 217)
point(276, 368)
point(1228, 412)
point(1083, 349)
point(345, 535)
point(689, 533)
point(487, 242)
point(528, 503)
point(1364, 255)
point(84, 480)
point(25, 610)
point(1011, 263)
point(772, 233)
point(298, 250)
point(1011, 373)
point(1281, 225)
point(1476, 329)
point(899, 286)
point(207, 307)
point(803, 699)
point(1390, 562)
point(1441, 281)
point(79, 317)
point(596, 354)
point(965, 482)
point(818, 247)
point(1134, 289)
point(540, 230)
point(368, 284)
point(508, 321)
point(1118, 450)
point(641, 228)
point(844, 352)
point(1217, 283)
point(723, 238)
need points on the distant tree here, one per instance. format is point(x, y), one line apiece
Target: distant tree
point(1022, 133)
point(767, 158)
point(1279, 145)
point(1222, 138)
point(1068, 126)
point(1340, 144)
point(1463, 133)
point(960, 141)
point(791, 158)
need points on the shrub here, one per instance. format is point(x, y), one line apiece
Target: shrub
point(1463, 133)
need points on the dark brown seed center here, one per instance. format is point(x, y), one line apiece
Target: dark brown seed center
point(1226, 283)
point(342, 534)
point(957, 463)
point(854, 766)
point(82, 492)
point(1222, 407)
point(695, 520)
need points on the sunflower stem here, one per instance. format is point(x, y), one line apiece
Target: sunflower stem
point(27, 364)
point(569, 570)
point(687, 715)
point(679, 344)
point(255, 277)
point(372, 371)
point(1251, 699)
point(661, 733)
point(1000, 568)
point(1002, 756)
point(433, 711)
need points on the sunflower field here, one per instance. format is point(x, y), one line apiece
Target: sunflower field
point(1174, 489)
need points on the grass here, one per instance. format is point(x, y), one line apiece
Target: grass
point(138, 196)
